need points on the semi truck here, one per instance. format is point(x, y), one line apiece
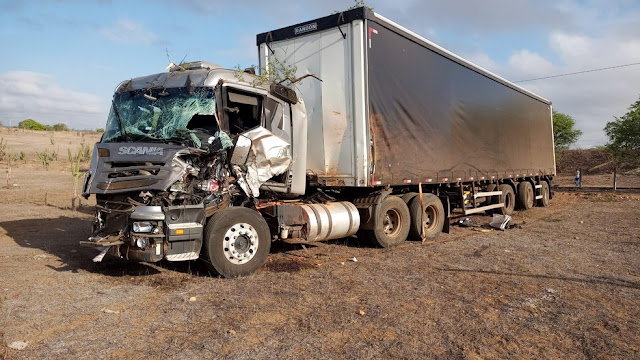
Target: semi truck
point(386, 138)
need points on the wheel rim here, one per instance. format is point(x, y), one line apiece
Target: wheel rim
point(240, 243)
point(430, 217)
point(391, 222)
point(530, 196)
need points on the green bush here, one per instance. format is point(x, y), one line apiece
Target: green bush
point(101, 130)
point(31, 124)
point(60, 127)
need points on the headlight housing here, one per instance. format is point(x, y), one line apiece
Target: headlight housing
point(144, 226)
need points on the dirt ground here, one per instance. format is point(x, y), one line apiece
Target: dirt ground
point(564, 284)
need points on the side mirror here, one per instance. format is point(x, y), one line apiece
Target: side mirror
point(241, 150)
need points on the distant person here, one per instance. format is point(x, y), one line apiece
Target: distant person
point(577, 179)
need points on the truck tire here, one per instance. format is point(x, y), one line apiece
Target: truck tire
point(508, 198)
point(433, 217)
point(545, 194)
point(408, 197)
point(391, 223)
point(237, 242)
point(525, 195)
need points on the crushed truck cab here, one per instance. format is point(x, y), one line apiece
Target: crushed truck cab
point(181, 146)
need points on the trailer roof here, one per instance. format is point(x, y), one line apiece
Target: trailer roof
point(362, 13)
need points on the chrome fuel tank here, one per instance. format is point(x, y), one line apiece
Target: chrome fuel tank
point(330, 221)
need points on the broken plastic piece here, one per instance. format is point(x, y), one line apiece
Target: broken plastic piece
point(99, 257)
point(500, 221)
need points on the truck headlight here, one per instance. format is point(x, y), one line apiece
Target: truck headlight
point(142, 242)
point(143, 226)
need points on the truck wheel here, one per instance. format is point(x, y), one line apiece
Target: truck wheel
point(408, 197)
point(237, 241)
point(508, 198)
point(525, 195)
point(545, 194)
point(433, 217)
point(391, 223)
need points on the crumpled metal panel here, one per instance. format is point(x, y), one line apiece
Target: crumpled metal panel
point(269, 156)
point(150, 158)
point(197, 78)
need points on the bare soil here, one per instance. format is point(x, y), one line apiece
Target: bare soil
point(564, 284)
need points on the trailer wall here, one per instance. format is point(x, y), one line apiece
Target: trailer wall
point(434, 118)
point(336, 105)
point(394, 108)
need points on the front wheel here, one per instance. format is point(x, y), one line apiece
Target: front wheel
point(237, 242)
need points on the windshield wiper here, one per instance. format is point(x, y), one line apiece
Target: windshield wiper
point(123, 132)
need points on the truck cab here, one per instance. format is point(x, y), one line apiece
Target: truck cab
point(183, 145)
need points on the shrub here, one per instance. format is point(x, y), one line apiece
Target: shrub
point(31, 124)
point(60, 127)
point(3, 149)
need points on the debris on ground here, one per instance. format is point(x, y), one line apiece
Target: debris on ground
point(500, 222)
point(466, 222)
point(18, 345)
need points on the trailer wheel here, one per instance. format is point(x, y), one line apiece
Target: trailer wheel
point(508, 198)
point(237, 242)
point(391, 223)
point(525, 195)
point(545, 194)
point(433, 217)
point(408, 197)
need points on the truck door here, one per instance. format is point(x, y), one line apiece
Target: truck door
point(242, 110)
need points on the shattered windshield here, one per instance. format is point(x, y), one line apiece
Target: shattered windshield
point(161, 115)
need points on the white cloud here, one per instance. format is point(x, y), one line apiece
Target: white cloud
point(26, 94)
point(484, 61)
point(129, 32)
point(529, 63)
point(571, 47)
point(591, 98)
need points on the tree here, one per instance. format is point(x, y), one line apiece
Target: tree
point(564, 134)
point(60, 127)
point(31, 124)
point(624, 135)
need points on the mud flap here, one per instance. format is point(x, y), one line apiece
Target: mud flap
point(447, 210)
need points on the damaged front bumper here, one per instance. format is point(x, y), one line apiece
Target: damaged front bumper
point(149, 233)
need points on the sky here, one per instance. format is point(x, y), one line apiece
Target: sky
point(62, 59)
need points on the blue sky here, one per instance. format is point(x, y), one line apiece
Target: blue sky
point(62, 59)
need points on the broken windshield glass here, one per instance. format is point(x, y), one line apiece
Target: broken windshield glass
point(161, 115)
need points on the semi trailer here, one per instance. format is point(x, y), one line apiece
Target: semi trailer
point(387, 137)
